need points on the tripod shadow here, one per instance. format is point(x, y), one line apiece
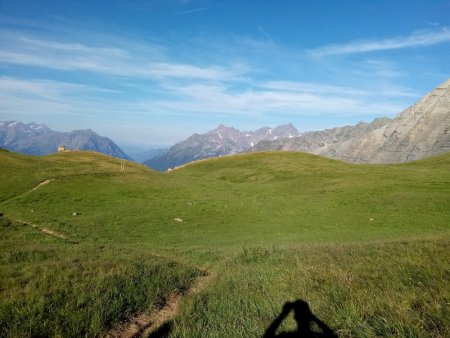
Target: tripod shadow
point(308, 325)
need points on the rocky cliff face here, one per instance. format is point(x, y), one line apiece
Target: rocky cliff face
point(328, 142)
point(218, 142)
point(38, 139)
point(420, 131)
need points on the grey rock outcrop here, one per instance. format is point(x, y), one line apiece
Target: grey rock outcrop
point(421, 130)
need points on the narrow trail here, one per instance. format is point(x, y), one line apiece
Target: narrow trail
point(145, 324)
point(40, 184)
point(44, 182)
point(47, 231)
point(40, 228)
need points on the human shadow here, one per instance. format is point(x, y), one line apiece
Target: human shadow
point(163, 331)
point(308, 325)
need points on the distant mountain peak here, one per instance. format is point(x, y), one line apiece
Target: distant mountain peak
point(220, 141)
point(222, 128)
point(37, 139)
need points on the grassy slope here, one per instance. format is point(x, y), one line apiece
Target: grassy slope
point(272, 227)
point(53, 287)
point(397, 289)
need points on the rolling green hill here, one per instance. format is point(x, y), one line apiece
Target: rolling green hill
point(366, 245)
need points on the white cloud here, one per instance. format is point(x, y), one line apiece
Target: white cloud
point(285, 98)
point(45, 88)
point(154, 84)
point(416, 39)
point(193, 10)
point(34, 52)
point(325, 89)
point(264, 33)
point(47, 98)
point(271, 97)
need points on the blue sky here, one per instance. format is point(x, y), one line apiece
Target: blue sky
point(156, 71)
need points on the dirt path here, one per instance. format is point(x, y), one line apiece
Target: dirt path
point(43, 183)
point(46, 231)
point(43, 229)
point(147, 323)
point(144, 324)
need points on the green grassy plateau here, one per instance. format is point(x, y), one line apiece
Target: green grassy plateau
point(367, 246)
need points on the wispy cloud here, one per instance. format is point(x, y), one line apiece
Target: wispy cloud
point(50, 54)
point(325, 89)
point(47, 88)
point(264, 33)
point(152, 82)
point(274, 98)
point(47, 97)
point(35, 98)
point(193, 10)
point(416, 39)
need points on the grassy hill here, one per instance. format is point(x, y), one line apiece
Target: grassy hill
point(366, 245)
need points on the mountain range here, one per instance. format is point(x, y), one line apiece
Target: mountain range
point(421, 130)
point(218, 142)
point(38, 139)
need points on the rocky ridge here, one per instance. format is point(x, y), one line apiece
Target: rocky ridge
point(218, 142)
point(421, 130)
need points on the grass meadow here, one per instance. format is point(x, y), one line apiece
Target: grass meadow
point(367, 246)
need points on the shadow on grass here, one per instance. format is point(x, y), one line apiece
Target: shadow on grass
point(163, 331)
point(308, 325)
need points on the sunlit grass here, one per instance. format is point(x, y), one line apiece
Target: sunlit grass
point(392, 289)
point(355, 241)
